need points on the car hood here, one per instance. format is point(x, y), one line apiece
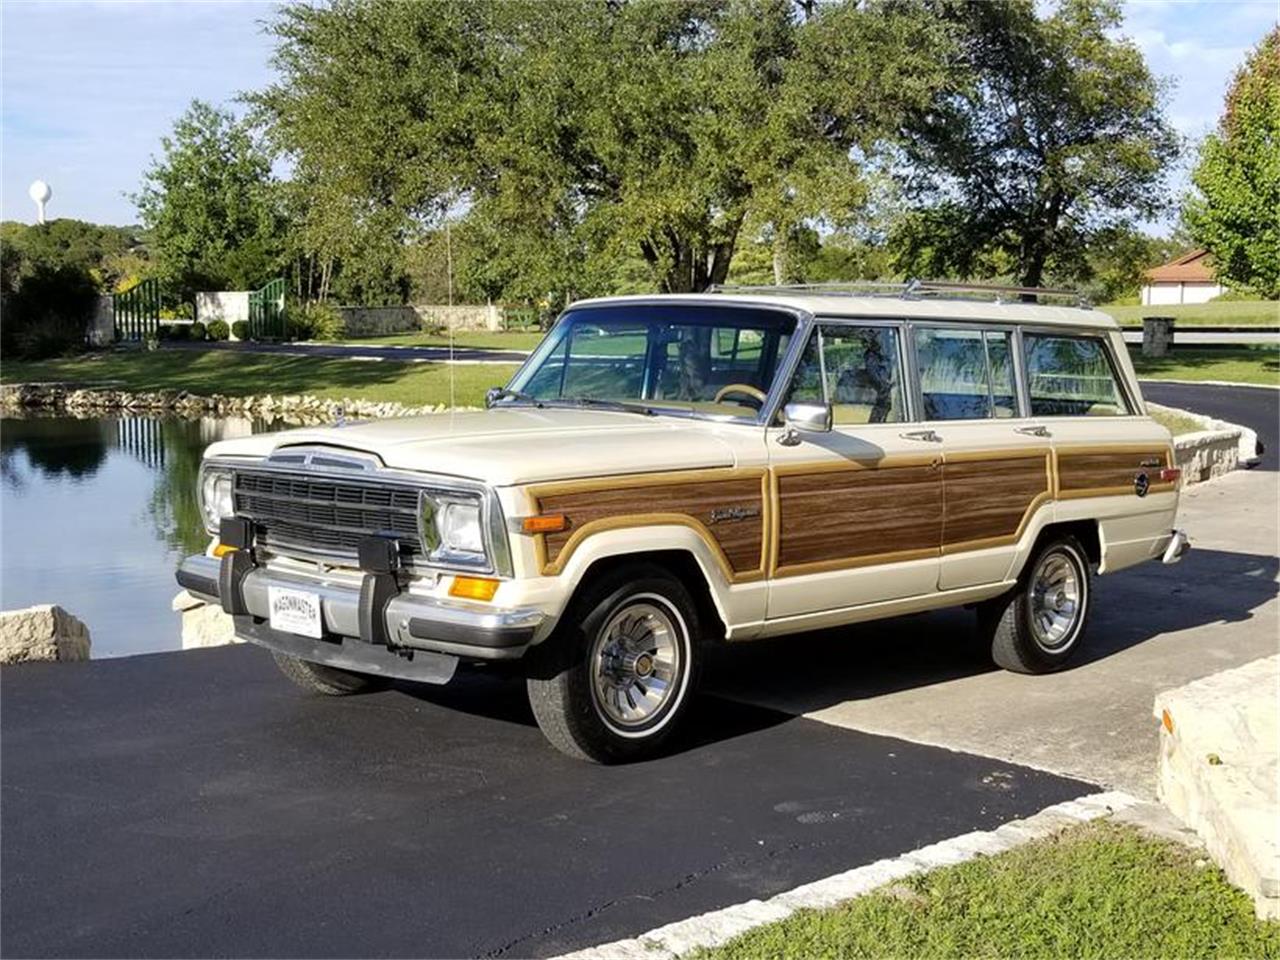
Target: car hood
point(514, 445)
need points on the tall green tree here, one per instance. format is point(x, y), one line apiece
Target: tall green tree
point(1236, 212)
point(210, 205)
point(578, 133)
point(1052, 134)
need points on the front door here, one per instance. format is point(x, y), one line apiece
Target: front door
point(858, 510)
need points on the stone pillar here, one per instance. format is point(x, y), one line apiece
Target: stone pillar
point(1157, 336)
point(46, 632)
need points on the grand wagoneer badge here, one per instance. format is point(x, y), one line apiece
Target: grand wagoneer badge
point(729, 514)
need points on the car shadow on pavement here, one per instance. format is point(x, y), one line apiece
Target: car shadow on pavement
point(811, 671)
point(743, 683)
point(499, 695)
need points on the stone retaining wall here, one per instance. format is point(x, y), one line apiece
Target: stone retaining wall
point(44, 632)
point(294, 408)
point(1217, 449)
point(383, 321)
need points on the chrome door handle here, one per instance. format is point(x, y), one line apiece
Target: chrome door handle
point(1036, 431)
point(927, 436)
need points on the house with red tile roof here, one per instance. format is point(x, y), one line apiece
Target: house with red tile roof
point(1185, 279)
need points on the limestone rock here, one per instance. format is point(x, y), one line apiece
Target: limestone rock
point(45, 632)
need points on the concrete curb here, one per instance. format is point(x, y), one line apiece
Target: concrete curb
point(1213, 383)
point(1220, 772)
point(718, 927)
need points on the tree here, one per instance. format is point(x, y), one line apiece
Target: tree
point(579, 133)
point(107, 254)
point(210, 205)
point(1052, 134)
point(1236, 213)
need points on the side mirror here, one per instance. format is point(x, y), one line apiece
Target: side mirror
point(803, 417)
point(492, 396)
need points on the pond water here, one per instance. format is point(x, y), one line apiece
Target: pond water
point(95, 515)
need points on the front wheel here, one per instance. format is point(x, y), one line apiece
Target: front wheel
point(614, 681)
point(330, 681)
point(1036, 627)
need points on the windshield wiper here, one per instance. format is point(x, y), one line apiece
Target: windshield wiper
point(503, 393)
point(613, 405)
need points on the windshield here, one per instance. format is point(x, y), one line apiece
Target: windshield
point(703, 358)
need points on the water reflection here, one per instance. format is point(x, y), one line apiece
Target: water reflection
point(95, 513)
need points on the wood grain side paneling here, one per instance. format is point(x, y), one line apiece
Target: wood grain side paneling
point(741, 540)
point(842, 518)
point(1096, 471)
point(989, 500)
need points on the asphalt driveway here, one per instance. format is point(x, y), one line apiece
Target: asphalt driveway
point(196, 804)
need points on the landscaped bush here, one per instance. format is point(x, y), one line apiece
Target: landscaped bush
point(198, 331)
point(218, 330)
point(176, 331)
point(48, 314)
point(314, 321)
point(240, 330)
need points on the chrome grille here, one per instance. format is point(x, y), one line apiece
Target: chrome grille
point(327, 517)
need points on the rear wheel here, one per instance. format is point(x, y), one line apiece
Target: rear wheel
point(1036, 627)
point(614, 681)
point(330, 681)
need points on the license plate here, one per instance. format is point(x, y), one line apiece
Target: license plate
point(295, 611)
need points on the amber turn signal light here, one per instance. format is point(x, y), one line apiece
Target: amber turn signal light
point(549, 523)
point(473, 588)
point(222, 549)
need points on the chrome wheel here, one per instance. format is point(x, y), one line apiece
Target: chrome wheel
point(1056, 601)
point(637, 663)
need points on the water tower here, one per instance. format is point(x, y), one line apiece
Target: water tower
point(40, 192)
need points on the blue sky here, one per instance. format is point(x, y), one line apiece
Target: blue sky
point(89, 88)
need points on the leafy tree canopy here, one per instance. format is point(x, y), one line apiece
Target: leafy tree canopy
point(109, 256)
point(210, 205)
point(1236, 213)
point(579, 134)
point(1052, 136)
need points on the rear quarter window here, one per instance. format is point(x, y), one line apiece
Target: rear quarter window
point(1071, 377)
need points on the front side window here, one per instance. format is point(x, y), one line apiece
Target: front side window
point(858, 370)
point(704, 358)
point(1071, 377)
point(965, 374)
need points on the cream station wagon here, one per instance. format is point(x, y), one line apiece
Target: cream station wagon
point(665, 473)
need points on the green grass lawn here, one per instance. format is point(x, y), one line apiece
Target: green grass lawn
point(1242, 364)
point(239, 374)
point(1176, 423)
point(1100, 890)
point(1225, 313)
point(471, 340)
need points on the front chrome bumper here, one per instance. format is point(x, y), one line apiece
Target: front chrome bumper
point(363, 628)
point(1179, 544)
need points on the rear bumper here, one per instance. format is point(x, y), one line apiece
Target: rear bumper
point(1179, 544)
point(381, 620)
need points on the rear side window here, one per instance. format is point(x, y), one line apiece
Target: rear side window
point(1071, 377)
point(965, 374)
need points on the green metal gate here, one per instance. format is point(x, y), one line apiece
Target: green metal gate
point(136, 312)
point(266, 311)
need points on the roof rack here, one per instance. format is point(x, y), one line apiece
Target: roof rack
point(917, 289)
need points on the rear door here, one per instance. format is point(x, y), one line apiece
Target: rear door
point(997, 464)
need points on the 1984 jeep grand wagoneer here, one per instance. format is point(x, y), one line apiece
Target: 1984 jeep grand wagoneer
point(670, 472)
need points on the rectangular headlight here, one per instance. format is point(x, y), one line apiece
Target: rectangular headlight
point(451, 525)
point(216, 497)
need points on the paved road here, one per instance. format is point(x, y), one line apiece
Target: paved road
point(352, 351)
point(1257, 408)
point(196, 804)
point(1204, 338)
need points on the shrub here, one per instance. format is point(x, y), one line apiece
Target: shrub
point(198, 331)
point(240, 330)
point(48, 314)
point(314, 321)
point(218, 330)
point(175, 331)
